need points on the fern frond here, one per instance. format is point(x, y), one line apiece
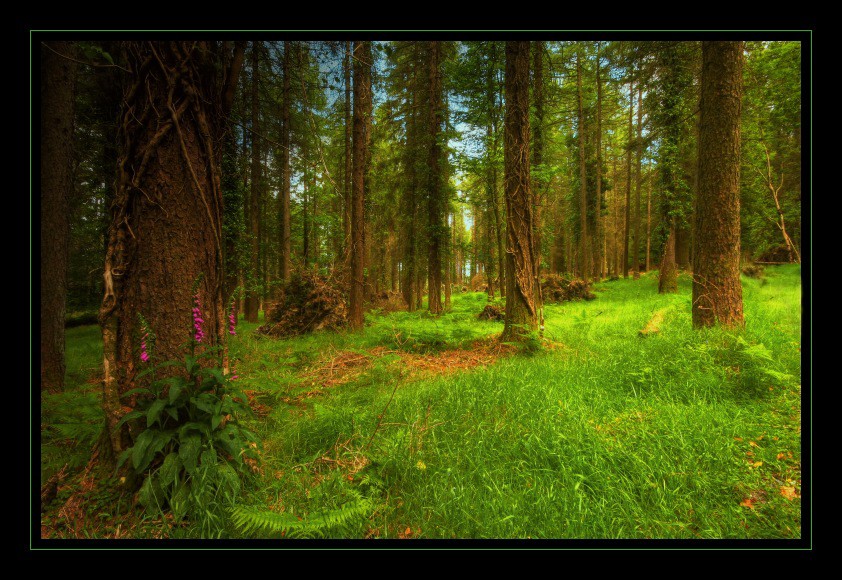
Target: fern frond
point(257, 519)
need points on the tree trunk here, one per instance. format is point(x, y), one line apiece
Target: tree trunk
point(600, 221)
point(284, 229)
point(717, 291)
point(167, 214)
point(628, 185)
point(435, 191)
point(58, 84)
point(362, 111)
point(346, 222)
point(252, 304)
point(649, 221)
point(584, 264)
point(520, 295)
point(636, 251)
point(668, 275)
point(232, 193)
point(537, 160)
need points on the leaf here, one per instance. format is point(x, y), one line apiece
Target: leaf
point(215, 421)
point(154, 412)
point(169, 470)
point(206, 402)
point(789, 493)
point(175, 391)
point(753, 444)
point(757, 464)
point(747, 503)
point(129, 416)
point(780, 456)
point(139, 449)
point(189, 450)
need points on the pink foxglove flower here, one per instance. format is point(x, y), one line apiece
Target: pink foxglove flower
point(232, 323)
point(144, 354)
point(199, 334)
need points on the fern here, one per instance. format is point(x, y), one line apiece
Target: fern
point(251, 519)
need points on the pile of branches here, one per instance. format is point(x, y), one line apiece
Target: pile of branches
point(492, 312)
point(387, 301)
point(479, 283)
point(557, 288)
point(753, 270)
point(307, 303)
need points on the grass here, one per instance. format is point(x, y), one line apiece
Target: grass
point(603, 433)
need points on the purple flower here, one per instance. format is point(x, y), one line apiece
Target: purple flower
point(234, 377)
point(197, 318)
point(144, 355)
point(232, 323)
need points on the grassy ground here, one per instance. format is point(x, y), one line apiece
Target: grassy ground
point(603, 432)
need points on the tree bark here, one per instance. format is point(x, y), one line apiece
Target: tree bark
point(717, 291)
point(58, 88)
point(584, 264)
point(284, 229)
point(636, 251)
point(600, 221)
point(537, 160)
point(166, 216)
point(346, 222)
point(628, 186)
point(362, 112)
point(520, 295)
point(435, 191)
point(252, 302)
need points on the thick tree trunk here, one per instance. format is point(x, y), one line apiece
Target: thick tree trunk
point(638, 173)
point(58, 82)
point(537, 160)
point(584, 263)
point(166, 216)
point(252, 302)
point(362, 112)
point(435, 191)
point(717, 291)
point(628, 186)
point(682, 247)
point(520, 295)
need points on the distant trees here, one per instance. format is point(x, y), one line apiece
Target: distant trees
point(717, 290)
point(58, 82)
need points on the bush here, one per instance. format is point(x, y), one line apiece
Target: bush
point(308, 302)
point(557, 288)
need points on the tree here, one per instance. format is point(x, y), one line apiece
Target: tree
point(252, 301)
point(520, 293)
point(58, 81)
point(537, 161)
point(166, 216)
point(435, 190)
point(628, 186)
point(638, 174)
point(285, 233)
point(584, 258)
point(362, 113)
point(717, 291)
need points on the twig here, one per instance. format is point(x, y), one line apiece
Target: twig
point(383, 412)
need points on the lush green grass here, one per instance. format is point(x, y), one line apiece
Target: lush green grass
point(603, 434)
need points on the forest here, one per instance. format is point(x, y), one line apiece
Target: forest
point(419, 289)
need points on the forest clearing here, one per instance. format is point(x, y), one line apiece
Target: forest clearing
point(420, 290)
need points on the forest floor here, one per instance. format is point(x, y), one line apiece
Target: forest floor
point(623, 423)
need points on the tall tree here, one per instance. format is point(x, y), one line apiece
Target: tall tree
point(346, 185)
point(520, 293)
point(58, 81)
point(362, 114)
point(537, 161)
point(717, 291)
point(584, 258)
point(252, 301)
point(601, 265)
point(628, 184)
point(436, 238)
point(637, 180)
point(284, 229)
point(167, 212)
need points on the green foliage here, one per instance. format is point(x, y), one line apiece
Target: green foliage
point(193, 450)
point(251, 519)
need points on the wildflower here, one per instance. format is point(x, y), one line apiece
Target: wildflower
point(232, 323)
point(234, 377)
point(144, 354)
point(197, 318)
